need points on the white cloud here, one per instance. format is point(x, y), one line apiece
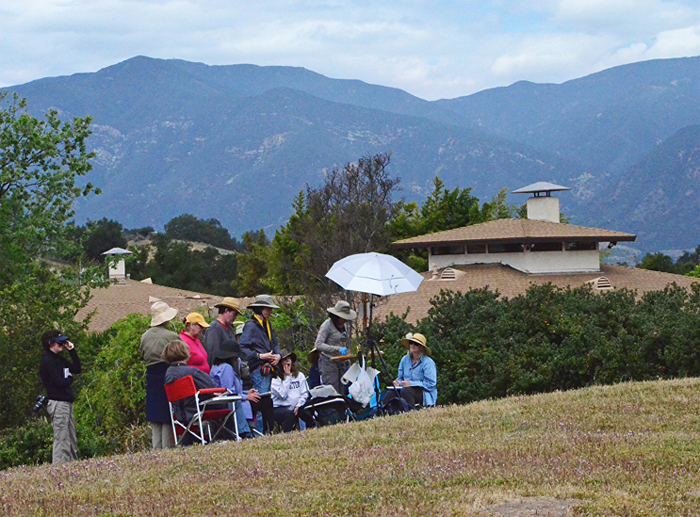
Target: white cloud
point(430, 49)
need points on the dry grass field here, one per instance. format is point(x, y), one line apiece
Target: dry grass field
point(624, 450)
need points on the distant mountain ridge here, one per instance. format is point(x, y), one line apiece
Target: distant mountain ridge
point(238, 142)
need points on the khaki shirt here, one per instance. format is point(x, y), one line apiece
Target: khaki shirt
point(153, 342)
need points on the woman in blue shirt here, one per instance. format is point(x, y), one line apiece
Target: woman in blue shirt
point(417, 379)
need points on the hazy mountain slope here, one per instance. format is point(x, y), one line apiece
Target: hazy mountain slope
point(238, 142)
point(660, 196)
point(244, 165)
point(134, 84)
point(606, 121)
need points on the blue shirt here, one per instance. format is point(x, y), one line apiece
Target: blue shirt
point(224, 377)
point(423, 374)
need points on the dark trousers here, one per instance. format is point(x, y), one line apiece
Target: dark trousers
point(264, 407)
point(413, 395)
point(285, 417)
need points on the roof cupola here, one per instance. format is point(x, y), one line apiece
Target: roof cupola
point(542, 206)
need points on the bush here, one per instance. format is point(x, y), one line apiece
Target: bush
point(27, 445)
point(110, 411)
point(553, 339)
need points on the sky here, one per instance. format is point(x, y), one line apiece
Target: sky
point(432, 49)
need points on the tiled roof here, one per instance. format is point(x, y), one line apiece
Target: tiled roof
point(119, 300)
point(514, 230)
point(509, 283)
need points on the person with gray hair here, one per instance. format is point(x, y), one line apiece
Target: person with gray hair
point(332, 341)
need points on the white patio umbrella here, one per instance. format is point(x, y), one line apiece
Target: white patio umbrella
point(374, 273)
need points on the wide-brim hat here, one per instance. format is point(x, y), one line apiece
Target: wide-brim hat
point(286, 354)
point(195, 317)
point(342, 310)
point(416, 339)
point(161, 312)
point(229, 303)
point(264, 300)
point(313, 356)
point(228, 349)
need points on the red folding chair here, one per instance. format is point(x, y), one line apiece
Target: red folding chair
point(183, 388)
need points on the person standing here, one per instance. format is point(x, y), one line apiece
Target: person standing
point(222, 328)
point(259, 345)
point(332, 340)
point(153, 341)
point(194, 325)
point(56, 373)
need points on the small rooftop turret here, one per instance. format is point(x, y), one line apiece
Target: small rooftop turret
point(542, 206)
point(117, 269)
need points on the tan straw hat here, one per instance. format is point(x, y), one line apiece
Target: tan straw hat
point(161, 313)
point(416, 339)
point(230, 303)
point(342, 310)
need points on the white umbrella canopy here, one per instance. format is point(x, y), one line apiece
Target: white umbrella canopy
point(374, 273)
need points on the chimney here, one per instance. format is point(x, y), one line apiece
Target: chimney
point(542, 206)
point(117, 268)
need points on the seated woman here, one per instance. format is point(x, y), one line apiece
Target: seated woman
point(289, 392)
point(417, 379)
point(226, 373)
point(194, 326)
point(176, 354)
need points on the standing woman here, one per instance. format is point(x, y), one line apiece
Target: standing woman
point(259, 346)
point(417, 379)
point(56, 374)
point(194, 325)
point(332, 340)
point(153, 341)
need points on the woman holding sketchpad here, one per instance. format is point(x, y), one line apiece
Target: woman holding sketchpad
point(416, 383)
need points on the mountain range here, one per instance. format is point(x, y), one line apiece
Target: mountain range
point(238, 142)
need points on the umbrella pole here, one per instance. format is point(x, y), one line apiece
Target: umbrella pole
point(373, 350)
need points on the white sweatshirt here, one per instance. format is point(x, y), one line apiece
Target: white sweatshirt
point(291, 392)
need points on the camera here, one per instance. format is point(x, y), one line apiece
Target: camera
point(40, 403)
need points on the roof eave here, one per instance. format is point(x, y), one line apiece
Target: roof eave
point(507, 240)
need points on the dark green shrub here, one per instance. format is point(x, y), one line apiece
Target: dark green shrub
point(26, 445)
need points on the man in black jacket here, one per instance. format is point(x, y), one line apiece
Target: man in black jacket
point(56, 374)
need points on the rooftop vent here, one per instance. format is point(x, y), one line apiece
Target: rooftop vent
point(542, 206)
point(601, 284)
point(450, 274)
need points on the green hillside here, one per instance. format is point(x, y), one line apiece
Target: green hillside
point(629, 449)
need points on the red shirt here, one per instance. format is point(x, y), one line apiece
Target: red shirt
point(198, 356)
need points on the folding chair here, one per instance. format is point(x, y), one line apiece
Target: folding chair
point(184, 388)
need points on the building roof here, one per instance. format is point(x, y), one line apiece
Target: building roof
point(119, 300)
point(510, 283)
point(514, 230)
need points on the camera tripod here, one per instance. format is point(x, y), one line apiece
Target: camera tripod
point(370, 349)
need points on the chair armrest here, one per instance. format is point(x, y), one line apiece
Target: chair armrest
point(208, 391)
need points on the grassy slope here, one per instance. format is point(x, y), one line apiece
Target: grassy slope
point(630, 449)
